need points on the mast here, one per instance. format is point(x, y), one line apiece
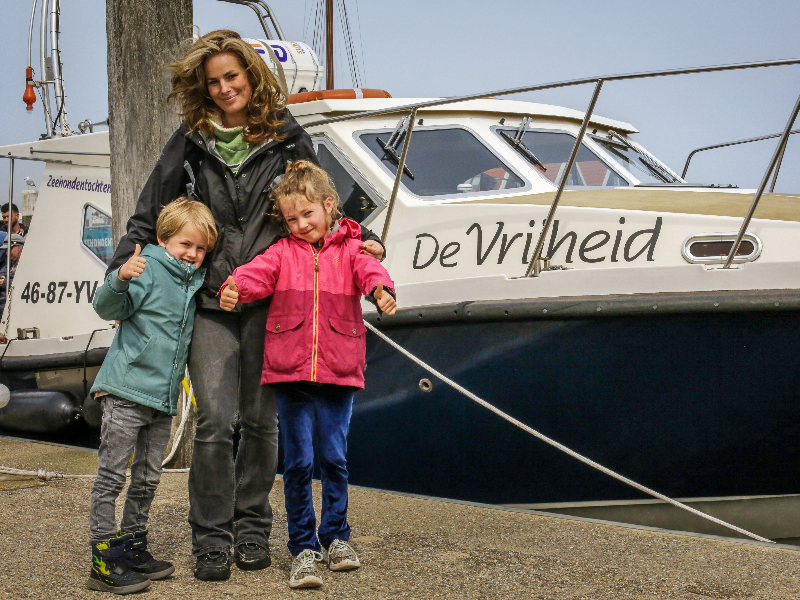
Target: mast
point(329, 44)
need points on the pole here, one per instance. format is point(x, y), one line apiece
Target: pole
point(772, 164)
point(401, 165)
point(8, 232)
point(329, 44)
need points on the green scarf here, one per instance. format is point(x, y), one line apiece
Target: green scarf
point(230, 145)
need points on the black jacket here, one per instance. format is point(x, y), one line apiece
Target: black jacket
point(239, 202)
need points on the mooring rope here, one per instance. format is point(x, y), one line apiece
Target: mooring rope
point(556, 444)
point(45, 475)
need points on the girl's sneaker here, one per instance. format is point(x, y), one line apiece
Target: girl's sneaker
point(340, 556)
point(304, 570)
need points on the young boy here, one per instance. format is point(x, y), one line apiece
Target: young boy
point(153, 296)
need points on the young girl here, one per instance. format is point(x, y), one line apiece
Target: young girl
point(314, 354)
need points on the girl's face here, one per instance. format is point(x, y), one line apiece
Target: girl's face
point(309, 221)
point(229, 87)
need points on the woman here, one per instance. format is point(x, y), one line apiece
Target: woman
point(236, 138)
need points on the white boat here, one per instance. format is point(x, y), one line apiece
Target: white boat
point(642, 340)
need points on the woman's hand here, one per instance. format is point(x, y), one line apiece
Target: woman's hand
point(372, 248)
point(229, 296)
point(134, 266)
point(384, 299)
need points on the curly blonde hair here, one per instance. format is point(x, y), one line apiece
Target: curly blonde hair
point(182, 211)
point(307, 179)
point(190, 91)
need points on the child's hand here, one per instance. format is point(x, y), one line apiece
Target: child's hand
point(371, 248)
point(134, 267)
point(385, 301)
point(229, 296)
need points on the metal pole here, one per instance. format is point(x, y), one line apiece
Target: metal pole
point(778, 168)
point(401, 165)
point(329, 44)
point(30, 31)
point(8, 236)
point(43, 72)
point(772, 163)
point(570, 163)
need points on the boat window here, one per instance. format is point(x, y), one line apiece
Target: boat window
point(96, 234)
point(552, 149)
point(355, 203)
point(712, 248)
point(446, 161)
point(644, 167)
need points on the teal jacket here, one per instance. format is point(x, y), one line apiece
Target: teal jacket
point(146, 361)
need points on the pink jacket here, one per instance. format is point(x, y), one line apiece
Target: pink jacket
point(315, 331)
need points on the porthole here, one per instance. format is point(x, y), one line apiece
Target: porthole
point(713, 248)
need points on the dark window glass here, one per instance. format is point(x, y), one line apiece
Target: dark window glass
point(553, 150)
point(720, 249)
point(447, 161)
point(354, 202)
point(96, 234)
point(646, 168)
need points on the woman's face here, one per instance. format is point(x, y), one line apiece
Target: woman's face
point(229, 87)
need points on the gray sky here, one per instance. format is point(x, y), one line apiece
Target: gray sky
point(430, 48)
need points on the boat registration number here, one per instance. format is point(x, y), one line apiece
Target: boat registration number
point(56, 292)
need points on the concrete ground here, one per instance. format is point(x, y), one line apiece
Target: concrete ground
point(409, 548)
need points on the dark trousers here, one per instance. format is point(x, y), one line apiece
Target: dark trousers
point(229, 501)
point(306, 412)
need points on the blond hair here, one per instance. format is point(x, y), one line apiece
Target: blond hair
point(190, 90)
point(176, 214)
point(307, 179)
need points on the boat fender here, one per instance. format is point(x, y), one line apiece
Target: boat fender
point(40, 412)
point(5, 395)
point(92, 411)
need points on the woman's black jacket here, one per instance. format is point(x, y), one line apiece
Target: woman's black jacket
point(239, 202)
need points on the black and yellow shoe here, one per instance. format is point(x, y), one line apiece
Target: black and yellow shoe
point(140, 560)
point(110, 572)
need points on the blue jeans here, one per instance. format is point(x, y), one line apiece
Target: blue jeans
point(307, 411)
point(128, 429)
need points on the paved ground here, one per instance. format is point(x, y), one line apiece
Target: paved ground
point(410, 548)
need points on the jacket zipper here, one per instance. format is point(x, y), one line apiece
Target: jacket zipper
point(315, 335)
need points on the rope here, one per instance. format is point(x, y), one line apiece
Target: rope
point(44, 475)
point(186, 402)
point(556, 444)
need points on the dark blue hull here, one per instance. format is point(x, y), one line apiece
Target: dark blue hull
point(692, 405)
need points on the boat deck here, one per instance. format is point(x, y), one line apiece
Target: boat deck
point(410, 548)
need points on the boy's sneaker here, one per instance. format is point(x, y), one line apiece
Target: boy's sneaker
point(141, 561)
point(111, 573)
point(213, 566)
point(252, 557)
point(304, 570)
point(340, 556)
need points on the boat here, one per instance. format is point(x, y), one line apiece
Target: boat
point(545, 260)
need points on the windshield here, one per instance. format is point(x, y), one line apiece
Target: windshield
point(645, 167)
point(444, 162)
point(552, 150)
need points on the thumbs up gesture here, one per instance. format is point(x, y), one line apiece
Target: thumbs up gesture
point(229, 296)
point(134, 267)
point(384, 299)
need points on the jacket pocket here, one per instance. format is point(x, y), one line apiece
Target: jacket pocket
point(150, 371)
point(346, 352)
point(285, 349)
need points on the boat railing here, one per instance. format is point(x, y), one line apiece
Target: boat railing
point(534, 267)
point(734, 143)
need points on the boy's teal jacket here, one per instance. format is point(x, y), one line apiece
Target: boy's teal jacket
point(146, 361)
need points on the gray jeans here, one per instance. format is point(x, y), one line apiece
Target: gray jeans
point(229, 500)
point(128, 429)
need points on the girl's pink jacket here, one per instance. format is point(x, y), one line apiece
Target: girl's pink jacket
point(315, 331)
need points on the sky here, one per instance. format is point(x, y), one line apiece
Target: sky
point(433, 48)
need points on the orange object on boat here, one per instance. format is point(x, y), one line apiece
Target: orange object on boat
point(343, 94)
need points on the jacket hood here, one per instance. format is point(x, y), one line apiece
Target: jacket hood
point(177, 268)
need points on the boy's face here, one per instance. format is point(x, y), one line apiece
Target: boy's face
point(187, 245)
point(308, 221)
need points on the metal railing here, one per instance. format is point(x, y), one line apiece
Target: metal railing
point(533, 269)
